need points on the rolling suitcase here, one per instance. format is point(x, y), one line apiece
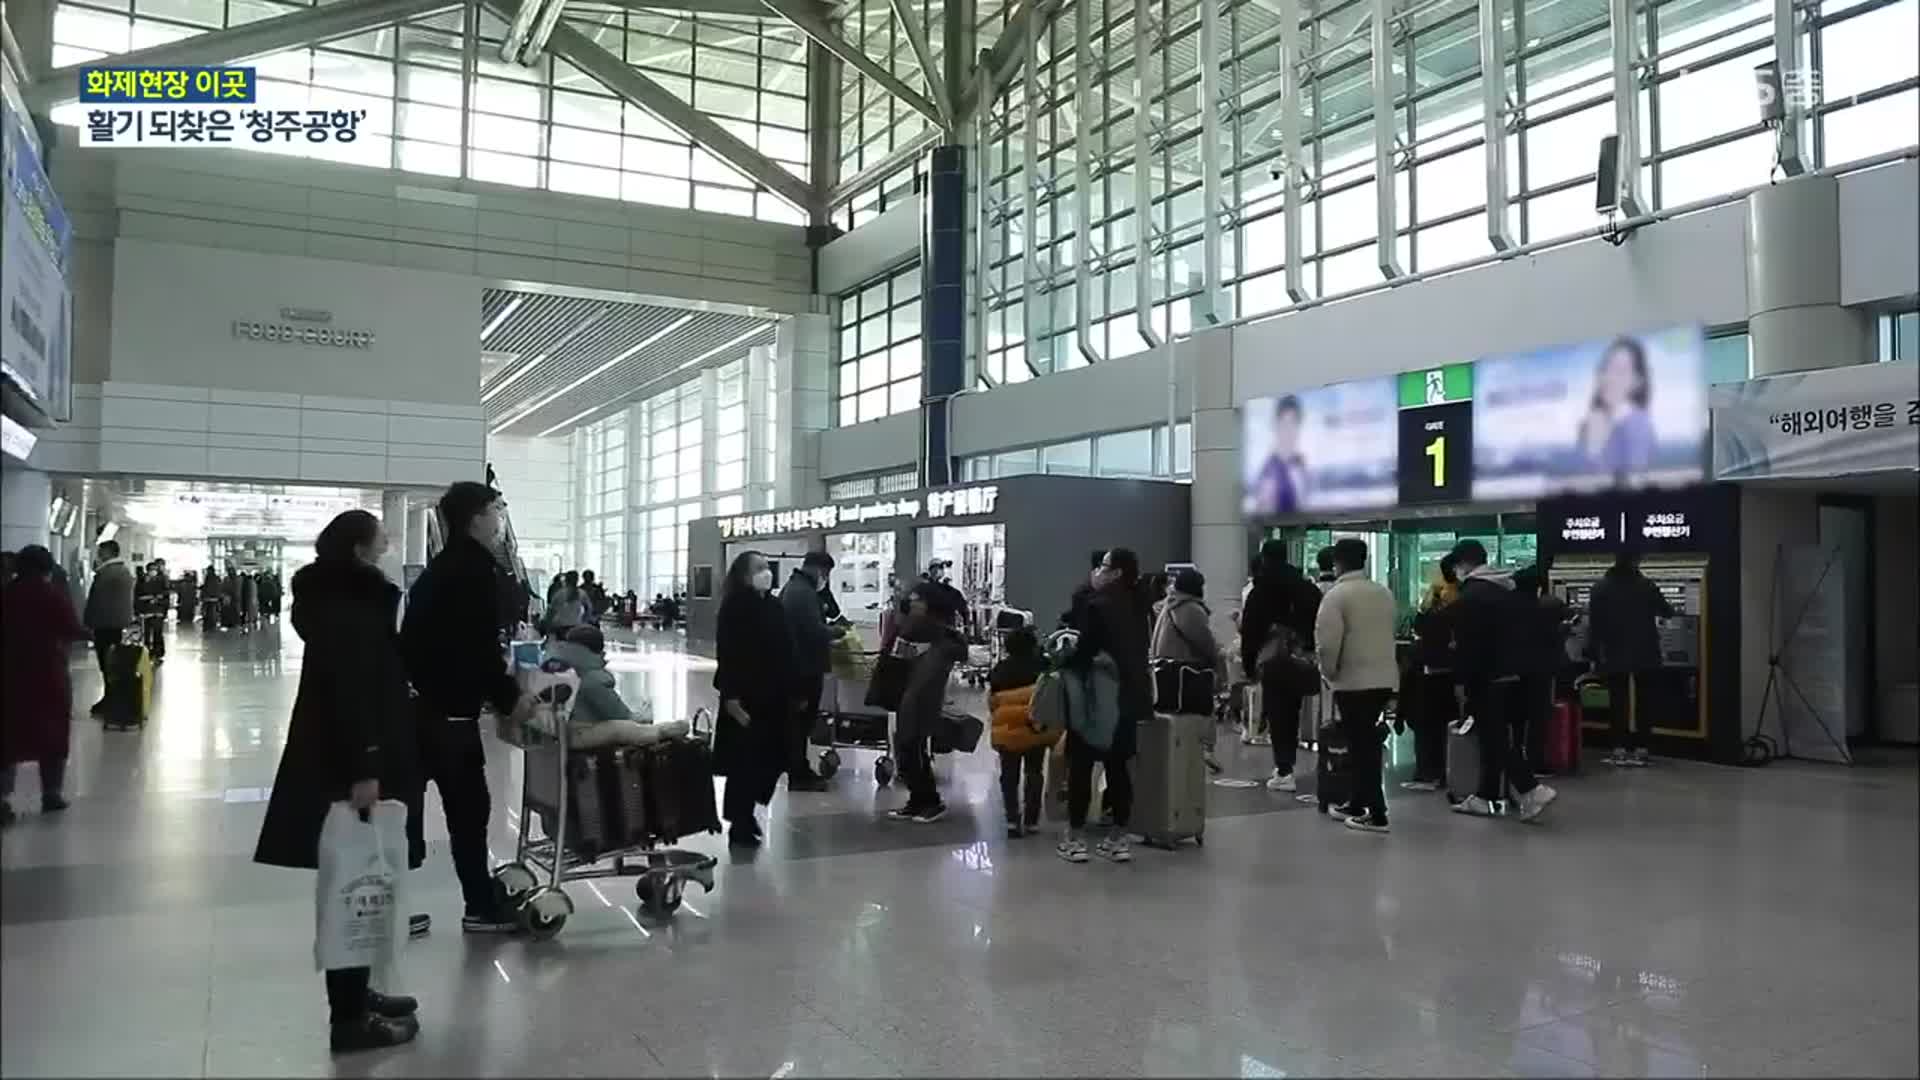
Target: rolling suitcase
point(1463, 760)
point(129, 686)
point(1170, 779)
point(590, 797)
point(1333, 770)
point(678, 784)
point(1561, 745)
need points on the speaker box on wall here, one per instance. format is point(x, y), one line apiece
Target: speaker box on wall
point(1606, 182)
point(1766, 86)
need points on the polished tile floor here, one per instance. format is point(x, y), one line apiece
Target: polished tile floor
point(1679, 921)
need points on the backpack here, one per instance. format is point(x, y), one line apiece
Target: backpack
point(1049, 709)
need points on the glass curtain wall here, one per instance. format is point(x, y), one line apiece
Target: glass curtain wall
point(1700, 136)
point(1139, 454)
point(878, 326)
point(673, 462)
point(602, 453)
point(548, 125)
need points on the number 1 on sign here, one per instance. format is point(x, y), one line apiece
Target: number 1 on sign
point(1437, 450)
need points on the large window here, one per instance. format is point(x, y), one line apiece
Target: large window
point(548, 125)
point(602, 452)
point(879, 343)
point(1142, 454)
point(673, 457)
point(1700, 136)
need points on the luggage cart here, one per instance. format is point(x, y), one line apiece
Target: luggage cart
point(847, 722)
point(533, 883)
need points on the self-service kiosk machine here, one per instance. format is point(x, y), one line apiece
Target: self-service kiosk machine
point(1684, 540)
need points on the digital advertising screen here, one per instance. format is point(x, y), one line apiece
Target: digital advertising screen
point(1329, 448)
point(1624, 413)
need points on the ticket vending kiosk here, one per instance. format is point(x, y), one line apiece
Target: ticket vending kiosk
point(1687, 544)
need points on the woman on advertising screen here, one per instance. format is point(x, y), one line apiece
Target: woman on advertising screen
point(1617, 435)
point(1281, 483)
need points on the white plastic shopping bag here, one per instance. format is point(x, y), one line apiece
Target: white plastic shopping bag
point(359, 910)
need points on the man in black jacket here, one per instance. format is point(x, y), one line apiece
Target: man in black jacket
point(1280, 608)
point(1623, 639)
point(457, 665)
point(813, 639)
point(1491, 635)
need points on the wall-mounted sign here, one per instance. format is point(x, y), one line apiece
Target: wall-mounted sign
point(1585, 529)
point(314, 328)
point(1665, 525)
point(1641, 529)
point(15, 439)
point(955, 502)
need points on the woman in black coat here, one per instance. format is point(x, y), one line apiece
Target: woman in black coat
point(1282, 605)
point(1116, 620)
point(351, 739)
point(757, 683)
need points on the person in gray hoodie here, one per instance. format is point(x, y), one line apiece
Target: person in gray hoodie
point(600, 718)
point(109, 604)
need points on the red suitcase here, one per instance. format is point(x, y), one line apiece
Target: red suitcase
point(1562, 743)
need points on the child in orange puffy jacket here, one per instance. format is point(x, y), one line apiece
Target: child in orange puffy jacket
point(1021, 748)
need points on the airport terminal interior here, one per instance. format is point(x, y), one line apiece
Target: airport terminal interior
point(965, 296)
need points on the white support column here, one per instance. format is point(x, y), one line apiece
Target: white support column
point(416, 547)
point(1493, 104)
point(1794, 318)
point(800, 365)
point(1219, 533)
point(25, 495)
point(1085, 70)
point(760, 421)
point(1035, 295)
point(709, 436)
point(1386, 218)
point(1791, 141)
point(1292, 169)
point(393, 514)
point(1145, 55)
point(1626, 104)
point(1210, 199)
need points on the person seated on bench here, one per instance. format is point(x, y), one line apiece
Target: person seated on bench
point(600, 718)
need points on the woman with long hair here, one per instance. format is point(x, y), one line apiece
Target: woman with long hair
point(755, 678)
point(352, 739)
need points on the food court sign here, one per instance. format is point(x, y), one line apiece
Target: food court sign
point(932, 505)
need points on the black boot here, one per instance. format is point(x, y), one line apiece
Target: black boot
point(391, 1006)
point(372, 1032)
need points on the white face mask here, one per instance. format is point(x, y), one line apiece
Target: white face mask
point(762, 580)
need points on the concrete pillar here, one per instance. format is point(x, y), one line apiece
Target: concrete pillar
point(1219, 546)
point(709, 437)
point(24, 496)
point(1794, 317)
point(762, 411)
point(416, 546)
point(801, 362)
point(393, 514)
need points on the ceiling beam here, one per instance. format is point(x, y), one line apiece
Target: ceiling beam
point(240, 43)
point(816, 28)
point(917, 37)
point(1003, 60)
point(755, 8)
point(901, 155)
point(613, 73)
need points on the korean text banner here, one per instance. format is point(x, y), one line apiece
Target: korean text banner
point(1330, 448)
point(1624, 413)
point(35, 303)
point(1856, 419)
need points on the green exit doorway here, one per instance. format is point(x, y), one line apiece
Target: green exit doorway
point(1404, 553)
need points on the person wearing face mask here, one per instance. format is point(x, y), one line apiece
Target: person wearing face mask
point(754, 676)
point(351, 739)
point(1116, 623)
point(813, 639)
point(457, 663)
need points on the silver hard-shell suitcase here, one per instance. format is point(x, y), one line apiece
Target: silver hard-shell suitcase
point(1170, 780)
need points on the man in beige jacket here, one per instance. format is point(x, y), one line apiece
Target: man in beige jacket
point(1354, 631)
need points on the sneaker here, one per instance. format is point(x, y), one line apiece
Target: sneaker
point(419, 926)
point(372, 1032)
point(1640, 759)
point(909, 812)
point(1280, 781)
point(1114, 849)
point(1346, 812)
point(1258, 740)
point(931, 814)
point(1015, 832)
point(1419, 785)
point(53, 804)
point(499, 922)
point(1374, 823)
point(1619, 758)
point(1475, 806)
point(1536, 801)
point(391, 1006)
point(1071, 848)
